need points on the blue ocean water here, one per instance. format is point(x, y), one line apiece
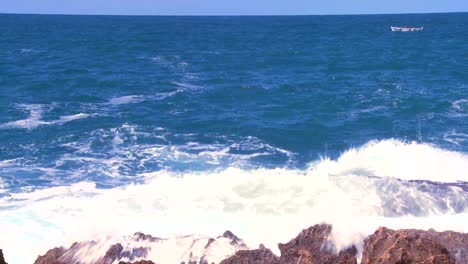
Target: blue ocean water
point(112, 101)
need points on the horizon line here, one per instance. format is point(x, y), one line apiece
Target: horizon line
point(233, 15)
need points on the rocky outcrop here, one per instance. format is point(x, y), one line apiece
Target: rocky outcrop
point(2, 260)
point(456, 243)
point(52, 256)
point(257, 256)
point(415, 246)
point(311, 246)
point(191, 249)
point(385, 246)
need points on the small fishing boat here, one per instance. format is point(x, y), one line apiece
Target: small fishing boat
point(407, 29)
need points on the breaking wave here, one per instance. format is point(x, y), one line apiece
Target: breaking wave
point(405, 185)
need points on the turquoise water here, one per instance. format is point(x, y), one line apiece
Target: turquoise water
point(114, 101)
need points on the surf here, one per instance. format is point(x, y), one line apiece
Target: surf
point(406, 185)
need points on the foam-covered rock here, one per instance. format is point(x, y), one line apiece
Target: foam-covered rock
point(144, 249)
point(311, 246)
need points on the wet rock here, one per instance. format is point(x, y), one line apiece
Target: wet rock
point(408, 246)
point(52, 256)
point(311, 246)
point(202, 250)
point(234, 239)
point(456, 243)
point(73, 254)
point(138, 236)
point(2, 260)
point(257, 256)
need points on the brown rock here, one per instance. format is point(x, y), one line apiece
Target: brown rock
point(456, 243)
point(312, 247)
point(2, 260)
point(257, 256)
point(387, 246)
point(52, 256)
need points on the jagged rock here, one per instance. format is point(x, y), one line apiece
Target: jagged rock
point(407, 246)
point(112, 254)
point(312, 247)
point(2, 260)
point(138, 236)
point(257, 256)
point(52, 256)
point(230, 235)
point(138, 246)
point(66, 256)
point(456, 243)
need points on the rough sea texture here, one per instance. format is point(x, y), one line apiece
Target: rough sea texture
point(181, 125)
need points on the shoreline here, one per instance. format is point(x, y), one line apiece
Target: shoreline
point(311, 245)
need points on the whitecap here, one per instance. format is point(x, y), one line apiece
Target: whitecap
point(187, 85)
point(460, 105)
point(35, 118)
point(33, 121)
point(406, 161)
point(68, 118)
point(128, 99)
point(26, 50)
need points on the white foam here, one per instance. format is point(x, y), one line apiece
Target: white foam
point(68, 118)
point(455, 137)
point(126, 156)
point(33, 121)
point(460, 105)
point(187, 85)
point(128, 99)
point(460, 108)
point(35, 118)
point(251, 203)
point(397, 159)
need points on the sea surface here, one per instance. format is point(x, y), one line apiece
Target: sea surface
point(260, 125)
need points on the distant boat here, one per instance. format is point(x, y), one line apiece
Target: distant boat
point(407, 29)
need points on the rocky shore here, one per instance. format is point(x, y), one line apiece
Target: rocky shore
point(311, 246)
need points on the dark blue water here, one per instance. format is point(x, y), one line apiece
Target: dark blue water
point(104, 99)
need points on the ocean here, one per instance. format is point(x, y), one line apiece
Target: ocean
point(261, 125)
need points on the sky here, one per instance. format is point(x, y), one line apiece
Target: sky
point(230, 7)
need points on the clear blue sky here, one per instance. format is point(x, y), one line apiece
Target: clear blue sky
point(230, 7)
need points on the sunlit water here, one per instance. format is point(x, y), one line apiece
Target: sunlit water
point(261, 125)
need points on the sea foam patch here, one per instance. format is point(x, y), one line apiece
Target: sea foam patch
point(252, 202)
point(35, 120)
point(128, 99)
